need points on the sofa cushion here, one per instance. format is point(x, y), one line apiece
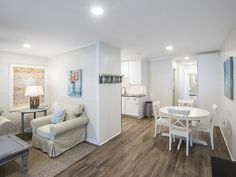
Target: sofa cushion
point(44, 131)
point(58, 115)
point(5, 125)
point(73, 111)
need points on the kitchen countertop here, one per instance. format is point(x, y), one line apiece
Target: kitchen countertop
point(133, 95)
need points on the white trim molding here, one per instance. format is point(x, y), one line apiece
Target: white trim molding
point(92, 140)
point(230, 154)
point(96, 142)
point(109, 139)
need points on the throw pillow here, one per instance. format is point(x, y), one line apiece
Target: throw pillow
point(58, 115)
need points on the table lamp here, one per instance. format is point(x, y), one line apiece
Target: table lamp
point(33, 92)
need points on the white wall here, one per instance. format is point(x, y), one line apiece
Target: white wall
point(102, 101)
point(209, 86)
point(160, 81)
point(7, 58)
point(59, 66)
point(228, 116)
point(109, 94)
point(179, 83)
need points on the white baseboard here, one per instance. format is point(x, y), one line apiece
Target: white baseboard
point(96, 142)
point(226, 143)
point(92, 140)
point(110, 139)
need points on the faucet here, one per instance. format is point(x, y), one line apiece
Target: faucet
point(124, 90)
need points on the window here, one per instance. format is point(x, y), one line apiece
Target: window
point(22, 76)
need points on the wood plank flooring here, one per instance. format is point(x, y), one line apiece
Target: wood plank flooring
point(136, 153)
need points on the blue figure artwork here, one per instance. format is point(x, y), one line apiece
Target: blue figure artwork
point(229, 78)
point(75, 83)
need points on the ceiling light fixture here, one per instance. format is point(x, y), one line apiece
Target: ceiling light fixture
point(169, 47)
point(96, 10)
point(27, 45)
point(186, 58)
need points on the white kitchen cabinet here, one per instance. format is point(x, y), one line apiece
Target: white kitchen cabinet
point(135, 71)
point(125, 69)
point(133, 106)
point(123, 108)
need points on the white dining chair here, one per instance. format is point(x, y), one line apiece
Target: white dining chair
point(208, 128)
point(179, 126)
point(185, 103)
point(159, 121)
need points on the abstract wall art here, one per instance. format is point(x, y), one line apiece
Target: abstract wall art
point(229, 78)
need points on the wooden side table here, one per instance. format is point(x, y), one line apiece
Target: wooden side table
point(11, 148)
point(29, 111)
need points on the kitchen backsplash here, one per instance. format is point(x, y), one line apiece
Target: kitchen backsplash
point(133, 89)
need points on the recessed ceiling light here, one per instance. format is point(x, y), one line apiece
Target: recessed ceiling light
point(186, 58)
point(27, 45)
point(96, 10)
point(169, 47)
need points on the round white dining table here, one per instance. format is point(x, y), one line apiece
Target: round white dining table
point(196, 114)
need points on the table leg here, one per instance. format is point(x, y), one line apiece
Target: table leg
point(25, 161)
point(165, 134)
point(34, 115)
point(195, 140)
point(180, 142)
point(201, 142)
point(45, 113)
point(22, 125)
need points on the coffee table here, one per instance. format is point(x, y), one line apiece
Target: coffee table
point(12, 147)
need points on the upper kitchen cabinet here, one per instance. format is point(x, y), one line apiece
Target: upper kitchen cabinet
point(125, 69)
point(135, 71)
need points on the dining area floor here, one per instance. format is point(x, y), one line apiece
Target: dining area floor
point(136, 153)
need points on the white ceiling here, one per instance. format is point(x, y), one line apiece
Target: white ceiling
point(146, 26)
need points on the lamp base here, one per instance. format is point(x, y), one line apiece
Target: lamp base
point(34, 102)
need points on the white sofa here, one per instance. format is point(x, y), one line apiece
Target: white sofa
point(6, 125)
point(54, 139)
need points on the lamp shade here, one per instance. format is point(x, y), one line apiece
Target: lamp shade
point(34, 91)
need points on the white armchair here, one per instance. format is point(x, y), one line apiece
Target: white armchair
point(57, 138)
point(6, 125)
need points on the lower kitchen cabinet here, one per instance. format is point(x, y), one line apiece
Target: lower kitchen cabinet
point(133, 106)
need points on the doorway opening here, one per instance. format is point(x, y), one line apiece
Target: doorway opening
point(186, 81)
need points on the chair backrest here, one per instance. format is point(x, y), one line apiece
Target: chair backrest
point(72, 110)
point(213, 113)
point(156, 107)
point(185, 103)
point(179, 119)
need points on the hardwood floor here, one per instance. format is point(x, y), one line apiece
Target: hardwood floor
point(136, 153)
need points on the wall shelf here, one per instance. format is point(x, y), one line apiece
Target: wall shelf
point(110, 78)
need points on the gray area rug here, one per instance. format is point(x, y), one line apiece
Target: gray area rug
point(40, 165)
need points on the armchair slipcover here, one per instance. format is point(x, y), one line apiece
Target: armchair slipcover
point(54, 139)
point(6, 125)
